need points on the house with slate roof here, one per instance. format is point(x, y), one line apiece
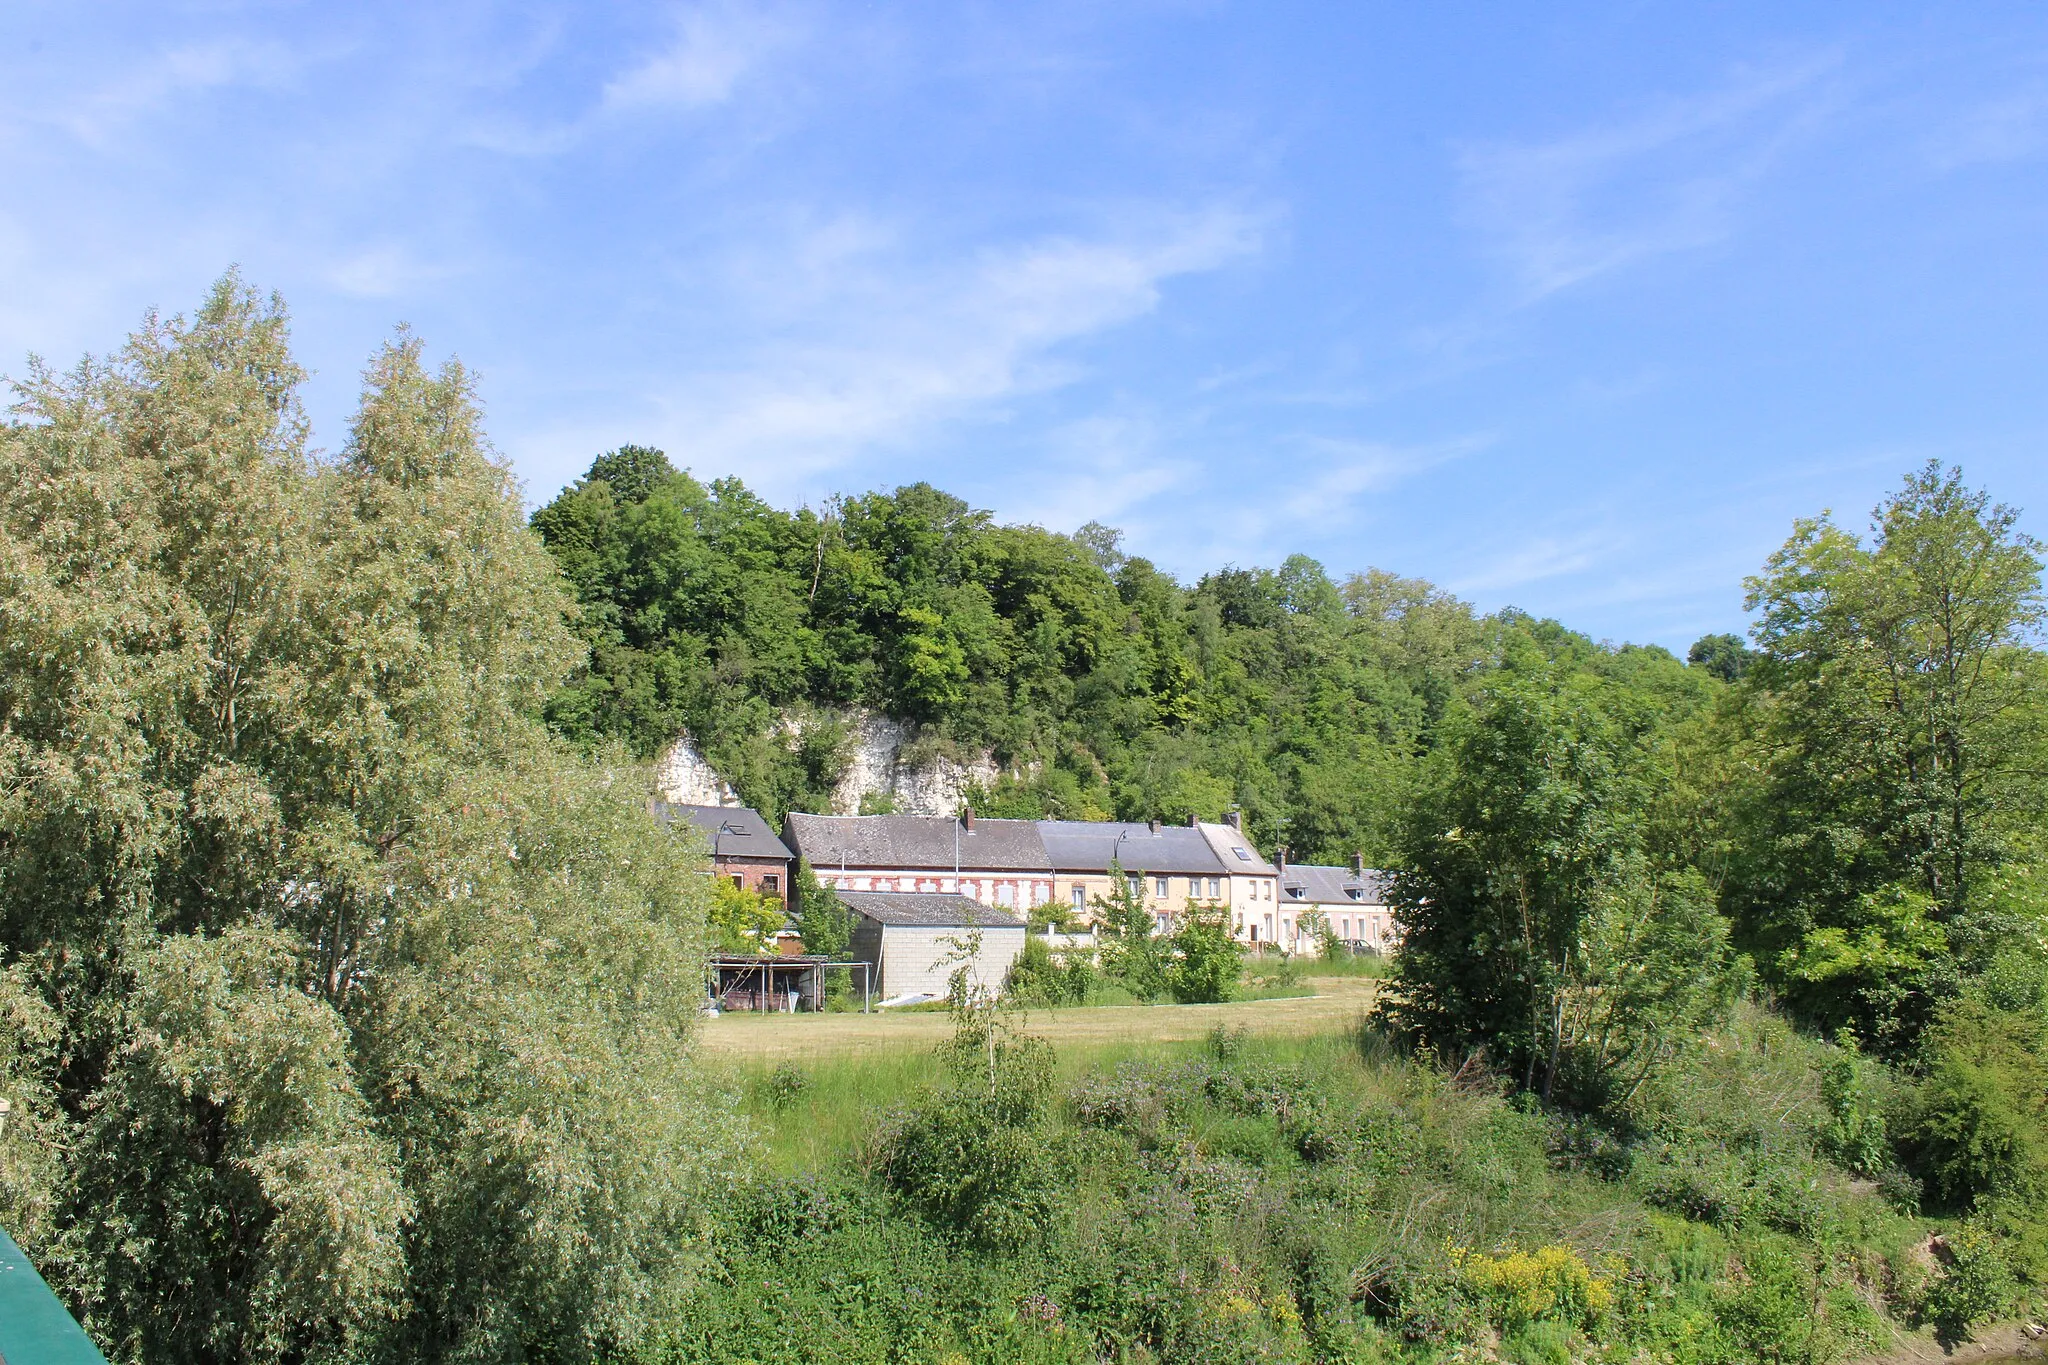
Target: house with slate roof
point(1352, 900)
point(998, 863)
point(915, 941)
point(1167, 865)
point(742, 846)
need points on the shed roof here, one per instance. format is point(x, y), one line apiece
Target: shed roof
point(1309, 884)
point(916, 841)
point(1091, 845)
point(733, 831)
point(927, 909)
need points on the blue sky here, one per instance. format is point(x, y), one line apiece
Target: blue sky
point(1571, 307)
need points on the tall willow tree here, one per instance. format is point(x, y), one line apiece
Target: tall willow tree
point(344, 1013)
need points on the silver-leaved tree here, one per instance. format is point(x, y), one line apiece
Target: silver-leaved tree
point(344, 1013)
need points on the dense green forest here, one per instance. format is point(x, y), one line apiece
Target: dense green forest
point(347, 991)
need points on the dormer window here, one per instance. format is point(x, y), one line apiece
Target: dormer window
point(1356, 893)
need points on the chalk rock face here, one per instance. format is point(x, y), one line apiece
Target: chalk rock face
point(684, 778)
point(883, 760)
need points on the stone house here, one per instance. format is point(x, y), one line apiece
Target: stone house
point(998, 863)
point(1353, 900)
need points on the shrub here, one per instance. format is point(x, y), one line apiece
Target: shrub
point(786, 1084)
point(1207, 958)
point(1976, 1286)
point(1977, 1122)
point(1550, 1284)
point(1855, 1134)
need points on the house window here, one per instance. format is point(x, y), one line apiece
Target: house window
point(1242, 855)
point(1160, 885)
point(739, 882)
point(1356, 893)
point(1136, 884)
point(771, 884)
point(1255, 933)
point(1344, 928)
point(1166, 924)
point(1080, 896)
point(1215, 887)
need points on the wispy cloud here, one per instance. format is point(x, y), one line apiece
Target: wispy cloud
point(1535, 560)
point(715, 48)
point(2011, 128)
point(380, 270)
point(1100, 468)
point(100, 115)
point(1562, 212)
point(864, 340)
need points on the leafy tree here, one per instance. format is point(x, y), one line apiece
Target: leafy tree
point(742, 920)
point(822, 918)
point(354, 1010)
point(1532, 924)
point(1724, 656)
point(1899, 702)
point(1131, 953)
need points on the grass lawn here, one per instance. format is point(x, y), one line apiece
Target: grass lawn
point(1336, 1003)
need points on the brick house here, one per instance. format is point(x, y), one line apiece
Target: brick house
point(743, 848)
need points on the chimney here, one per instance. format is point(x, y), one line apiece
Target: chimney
point(967, 818)
point(1235, 819)
point(1280, 859)
point(1154, 824)
point(1358, 865)
point(1194, 821)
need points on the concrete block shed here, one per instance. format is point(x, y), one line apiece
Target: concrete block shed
point(913, 940)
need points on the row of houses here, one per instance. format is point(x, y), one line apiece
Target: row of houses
point(1060, 867)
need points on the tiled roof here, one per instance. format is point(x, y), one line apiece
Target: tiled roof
point(1090, 846)
point(1308, 884)
point(731, 831)
point(926, 909)
point(936, 842)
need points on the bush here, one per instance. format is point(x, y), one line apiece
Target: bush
point(1976, 1286)
point(1855, 1134)
point(1977, 1122)
point(1207, 959)
point(1550, 1284)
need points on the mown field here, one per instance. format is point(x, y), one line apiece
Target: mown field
point(1335, 1002)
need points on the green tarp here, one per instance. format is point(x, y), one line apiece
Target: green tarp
point(34, 1328)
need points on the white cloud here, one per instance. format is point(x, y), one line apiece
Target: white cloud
point(862, 340)
point(1097, 469)
point(1536, 560)
point(1562, 212)
point(381, 271)
point(2012, 128)
point(715, 48)
point(99, 116)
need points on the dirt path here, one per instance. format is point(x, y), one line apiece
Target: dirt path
point(1337, 1001)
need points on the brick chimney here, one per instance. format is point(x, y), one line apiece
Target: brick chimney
point(967, 818)
point(1358, 865)
point(1154, 825)
point(1280, 859)
point(1235, 819)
